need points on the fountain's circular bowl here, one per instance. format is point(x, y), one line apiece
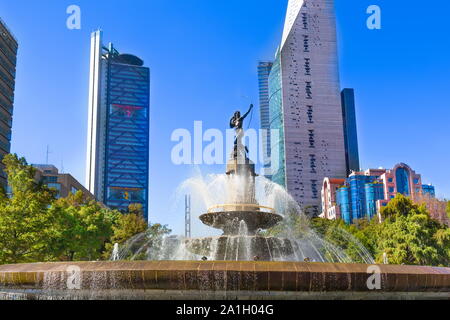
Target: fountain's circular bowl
point(242, 248)
point(228, 219)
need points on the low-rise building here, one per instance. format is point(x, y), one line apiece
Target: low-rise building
point(64, 183)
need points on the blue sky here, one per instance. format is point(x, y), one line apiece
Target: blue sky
point(203, 57)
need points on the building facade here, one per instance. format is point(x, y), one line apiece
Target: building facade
point(329, 207)
point(264, 68)
point(350, 130)
point(118, 127)
point(363, 194)
point(305, 103)
point(64, 183)
point(8, 59)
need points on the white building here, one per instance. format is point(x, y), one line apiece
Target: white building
point(305, 103)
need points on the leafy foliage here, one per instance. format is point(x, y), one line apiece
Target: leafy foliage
point(408, 235)
point(26, 226)
point(125, 227)
point(82, 228)
point(35, 226)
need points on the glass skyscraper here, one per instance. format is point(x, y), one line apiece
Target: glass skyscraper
point(276, 120)
point(118, 127)
point(357, 199)
point(264, 68)
point(305, 104)
point(8, 59)
point(350, 131)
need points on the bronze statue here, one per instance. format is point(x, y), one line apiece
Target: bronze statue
point(237, 123)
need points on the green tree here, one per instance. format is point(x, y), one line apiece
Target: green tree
point(352, 239)
point(125, 227)
point(128, 225)
point(26, 227)
point(34, 226)
point(409, 236)
point(83, 227)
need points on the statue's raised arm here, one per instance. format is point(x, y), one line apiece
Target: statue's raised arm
point(237, 120)
point(246, 114)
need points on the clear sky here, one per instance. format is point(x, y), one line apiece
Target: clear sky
point(203, 57)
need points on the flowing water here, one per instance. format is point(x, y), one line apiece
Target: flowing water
point(291, 240)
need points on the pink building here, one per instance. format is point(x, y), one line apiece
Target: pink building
point(330, 209)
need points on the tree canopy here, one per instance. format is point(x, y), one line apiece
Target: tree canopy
point(35, 226)
point(407, 234)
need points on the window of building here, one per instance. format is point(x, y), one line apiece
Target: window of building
point(391, 189)
point(402, 177)
point(73, 190)
point(50, 179)
point(56, 186)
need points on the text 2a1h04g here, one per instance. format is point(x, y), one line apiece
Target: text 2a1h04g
point(247, 309)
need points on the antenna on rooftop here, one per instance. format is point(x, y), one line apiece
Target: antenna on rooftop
point(47, 154)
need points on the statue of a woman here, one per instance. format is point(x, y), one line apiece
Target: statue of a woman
point(237, 123)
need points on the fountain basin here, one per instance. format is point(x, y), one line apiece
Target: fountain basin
point(229, 221)
point(220, 280)
point(241, 248)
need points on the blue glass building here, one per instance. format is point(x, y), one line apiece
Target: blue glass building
point(343, 200)
point(264, 68)
point(373, 192)
point(428, 189)
point(118, 136)
point(276, 120)
point(350, 130)
point(358, 198)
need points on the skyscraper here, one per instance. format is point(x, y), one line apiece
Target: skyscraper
point(118, 127)
point(305, 104)
point(350, 132)
point(8, 57)
point(264, 68)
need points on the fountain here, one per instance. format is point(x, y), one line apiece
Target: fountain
point(240, 219)
point(242, 263)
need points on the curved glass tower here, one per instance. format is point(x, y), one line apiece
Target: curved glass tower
point(305, 102)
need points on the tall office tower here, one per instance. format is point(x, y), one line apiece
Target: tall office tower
point(304, 102)
point(350, 131)
point(264, 68)
point(8, 57)
point(118, 127)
